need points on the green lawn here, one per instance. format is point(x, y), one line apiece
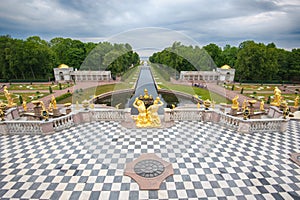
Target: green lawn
point(36, 87)
point(159, 75)
point(28, 97)
point(288, 97)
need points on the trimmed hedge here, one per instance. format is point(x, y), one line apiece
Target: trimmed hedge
point(63, 96)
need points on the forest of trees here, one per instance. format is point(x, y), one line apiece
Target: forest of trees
point(35, 58)
point(254, 62)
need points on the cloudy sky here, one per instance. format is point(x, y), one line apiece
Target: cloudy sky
point(204, 21)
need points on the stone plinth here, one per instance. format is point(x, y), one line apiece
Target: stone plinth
point(37, 110)
point(56, 112)
point(275, 112)
point(233, 111)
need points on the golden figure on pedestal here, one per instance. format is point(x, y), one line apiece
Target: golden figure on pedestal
point(53, 102)
point(141, 119)
point(147, 117)
point(7, 95)
point(261, 107)
point(296, 102)
point(235, 103)
point(153, 112)
point(24, 104)
point(277, 97)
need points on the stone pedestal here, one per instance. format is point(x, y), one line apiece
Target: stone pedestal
point(68, 110)
point(37, 111)
point(233, 111)
point(56, 112)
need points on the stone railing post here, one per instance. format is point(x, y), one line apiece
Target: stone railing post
point(167, 114)
point(3, 128)
point(127, 115)
point(47, 127)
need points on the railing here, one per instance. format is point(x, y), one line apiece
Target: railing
point(24, 127)
point(186, 114)
point(108, 114)
point(62, 122)
point(229, 121)
point(257, 125)
point(123, 115)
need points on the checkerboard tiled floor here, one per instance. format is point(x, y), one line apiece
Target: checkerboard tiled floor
point(87, 162)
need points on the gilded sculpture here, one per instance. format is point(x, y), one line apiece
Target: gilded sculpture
point(296, 102)
point(152, 112)
point(261, 107)
point(141, 119)
point(24, 105)
point(235, 103)
point(53, 102)
point(7, 95)
point(277, 97)
point(148, 116)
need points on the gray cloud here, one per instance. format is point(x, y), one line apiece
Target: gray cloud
point(216, 21)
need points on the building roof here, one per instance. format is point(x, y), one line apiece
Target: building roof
point(225, 67)
point(63, 66)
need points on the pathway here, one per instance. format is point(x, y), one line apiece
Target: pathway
point(56, 93)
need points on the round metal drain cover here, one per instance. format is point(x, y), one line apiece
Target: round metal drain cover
point(149, 168)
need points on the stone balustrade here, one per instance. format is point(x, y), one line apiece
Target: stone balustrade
point(108, 115)
point(232, 122)
point(124, 115)
point(23, 127)
point(62, 122)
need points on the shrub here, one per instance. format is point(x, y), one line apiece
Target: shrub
point(232, 88)
point(269, 100)
point(242, 90)
point(59, 85)
point(50, 89)
point(21, 99)
point(37, 92)
point(63, 96)
point(254, 93)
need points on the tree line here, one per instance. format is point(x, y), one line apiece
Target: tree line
point(35, 58)
point(253, 61)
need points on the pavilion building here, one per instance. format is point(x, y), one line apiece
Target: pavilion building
point(65, 73)
point(224, 73)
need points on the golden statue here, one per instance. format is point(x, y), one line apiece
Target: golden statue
point(235, 103)
point(146, 95)
point(244, 106)
point(296, 102)
point(198, 105)
point(24, 104)
point(261, 106)
point(7, 95)
point(53, 102)
point(50, 106)
point(153, 112)
point(141, 119)
point(277, 97)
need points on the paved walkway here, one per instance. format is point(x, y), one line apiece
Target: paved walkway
point(209, 162)
point(56, 93)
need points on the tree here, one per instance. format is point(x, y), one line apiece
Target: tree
point(256, 62)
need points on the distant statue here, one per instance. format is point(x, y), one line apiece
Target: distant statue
point(141, 119)
point(244, 106)
point(153, 112)
point(24, 104)
point(277, 97)
point(235, 103)
point(8, 97)
point(296, 102)
point(50, 107)
point(146, 95)
point(53, 102)
point(261, 107)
